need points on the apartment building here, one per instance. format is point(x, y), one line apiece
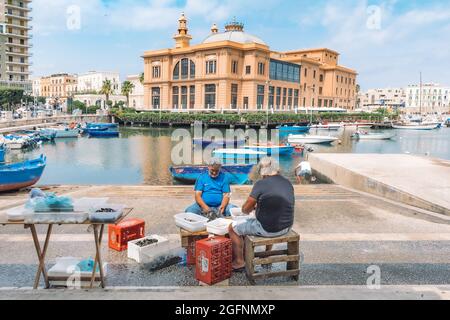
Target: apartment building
point(15, 44)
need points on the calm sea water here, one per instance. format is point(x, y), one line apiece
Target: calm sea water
point(143, 156)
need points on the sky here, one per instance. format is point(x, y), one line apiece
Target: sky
point(388, 42)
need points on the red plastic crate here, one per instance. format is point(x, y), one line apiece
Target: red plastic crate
point(213, 260)
point(190, 250)
point(127, 230)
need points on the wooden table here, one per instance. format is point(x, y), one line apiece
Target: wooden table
point(98, 228)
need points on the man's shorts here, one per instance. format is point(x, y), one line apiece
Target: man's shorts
point(253, 227)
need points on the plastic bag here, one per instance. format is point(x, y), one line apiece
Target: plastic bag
point(87, 266)
point(48, 203)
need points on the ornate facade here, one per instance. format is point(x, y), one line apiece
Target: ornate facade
point(233, 70)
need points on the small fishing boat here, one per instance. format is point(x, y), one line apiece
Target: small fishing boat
point(282, 150)
point(21, 175)
point(101, 125)
point(16, 142)
point(372, 136)
point(287, 128)
point(88, 130)
point(204, 143)
point(61, 132)
point(238, 154)
point(414, 126)
point(239, 174)
point(103, 134)
point(311, 139)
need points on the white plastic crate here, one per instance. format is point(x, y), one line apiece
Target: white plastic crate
point(191, 222)
point(144, 254)
point(219, 226)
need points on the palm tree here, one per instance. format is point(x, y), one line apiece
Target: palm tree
point(127, 88)
point(107, 89)
point(141, 78)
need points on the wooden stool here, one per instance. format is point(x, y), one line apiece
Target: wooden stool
point(290, 255)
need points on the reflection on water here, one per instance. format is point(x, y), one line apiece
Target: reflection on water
point(143, 156)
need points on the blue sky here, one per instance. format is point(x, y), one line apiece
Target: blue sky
point(388, 42)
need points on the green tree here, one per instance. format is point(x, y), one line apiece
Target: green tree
point(107, 90)
point(141, 77)
point(10, 98)
point(127, 88)
point(41, 100)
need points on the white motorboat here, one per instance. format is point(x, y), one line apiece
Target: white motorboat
point(415, 126)
point(310, 139)
point(373, 136)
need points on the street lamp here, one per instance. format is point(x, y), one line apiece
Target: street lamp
point(268, 82)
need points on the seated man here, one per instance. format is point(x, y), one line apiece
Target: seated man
point(212, 191)
point(274, 200)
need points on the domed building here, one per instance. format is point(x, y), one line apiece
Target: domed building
point(236, 70)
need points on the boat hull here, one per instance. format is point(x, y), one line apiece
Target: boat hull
point(21, 175)
point(311, 140)
point(67, 134)
point(415, 127)
point(100, 125)
point(239, 174)
point(2, 154)
point(294, 129)
point(104, 134)
point(374, 137)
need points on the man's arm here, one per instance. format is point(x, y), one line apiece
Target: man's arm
point(225, 202)
point(249, 205)
point(200, 202)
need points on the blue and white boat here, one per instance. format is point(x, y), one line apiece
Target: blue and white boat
point(239, 174)
point(238, 154)
point(21, 175)
point(282, 150)
point(88, 130)
point(297, 129)
point(61, 132)
point(218, 143)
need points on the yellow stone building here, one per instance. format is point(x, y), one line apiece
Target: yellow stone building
point(234, 70)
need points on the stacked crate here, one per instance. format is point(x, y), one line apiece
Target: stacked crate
point(213, 260)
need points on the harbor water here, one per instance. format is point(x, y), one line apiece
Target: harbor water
point(144, 155)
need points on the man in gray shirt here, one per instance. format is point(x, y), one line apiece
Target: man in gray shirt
point(274, 201)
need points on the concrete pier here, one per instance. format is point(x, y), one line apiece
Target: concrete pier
point(423, 182)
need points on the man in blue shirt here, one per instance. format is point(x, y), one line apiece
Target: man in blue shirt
point(212, 191)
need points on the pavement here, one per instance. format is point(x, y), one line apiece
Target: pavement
point(349, 239)
point(420, 181)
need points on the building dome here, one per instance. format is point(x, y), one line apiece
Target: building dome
point(234, 31)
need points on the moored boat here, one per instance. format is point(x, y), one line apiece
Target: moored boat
point(282, 150)
point(239, 174)
point(238, 154)
point(61, 132)
point(311, 139)
point(415, 126)
point(101, 125)
point(372, 136)
point(295, 128)
point(21, 175)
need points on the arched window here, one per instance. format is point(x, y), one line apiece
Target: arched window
point(176, 71)
point(184, 69)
